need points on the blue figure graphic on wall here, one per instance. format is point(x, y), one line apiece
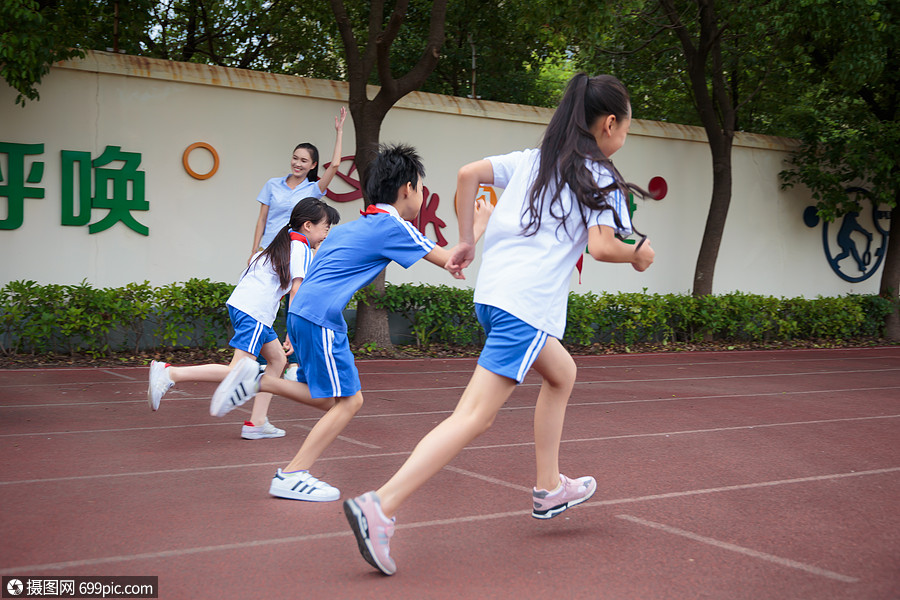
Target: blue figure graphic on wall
point(854, 240)
point(848, 244)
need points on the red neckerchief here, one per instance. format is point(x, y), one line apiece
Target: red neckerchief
point(371, 210)
point(579, 265)
point(299, 237)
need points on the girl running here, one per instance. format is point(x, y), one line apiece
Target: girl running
point(556, 200)
point(252, 307)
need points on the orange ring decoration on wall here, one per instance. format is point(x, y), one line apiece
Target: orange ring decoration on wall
point(187, 167)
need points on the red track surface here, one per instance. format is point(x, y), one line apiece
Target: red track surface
point(721, 475)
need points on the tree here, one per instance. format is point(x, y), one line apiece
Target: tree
point(694, 62)
point(849, 117)
point(275, 36)
point(493, 50)
point(36, 34)
point(371, 56)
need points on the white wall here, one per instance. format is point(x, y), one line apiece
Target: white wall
point(204, 228)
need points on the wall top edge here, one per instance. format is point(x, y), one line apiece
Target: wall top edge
point(152, 68)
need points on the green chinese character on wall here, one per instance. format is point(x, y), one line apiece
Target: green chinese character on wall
point(12, 183)
point(120, 191)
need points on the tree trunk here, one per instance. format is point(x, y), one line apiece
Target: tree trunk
point(371, 322)
point(716, 109)
point(715, 219)
point(890, 275)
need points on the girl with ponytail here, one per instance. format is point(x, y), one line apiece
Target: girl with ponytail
point(252, 307)
point(556, 200)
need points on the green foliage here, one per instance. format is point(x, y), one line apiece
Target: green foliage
point(30, 40)
point(80, 318)
point(630, 318)
point(847, 117)
point(193, 313)
point(437, 314)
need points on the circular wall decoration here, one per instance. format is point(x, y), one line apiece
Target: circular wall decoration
point(658, 188)
point(187, 166)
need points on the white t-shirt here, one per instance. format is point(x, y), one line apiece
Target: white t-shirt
point(528, 276)
point(259, 291)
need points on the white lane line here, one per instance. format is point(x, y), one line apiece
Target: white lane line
point(494, 480)
point(117, 374)
point(693, 431)
point(435, 523)
point(81, 385)
point(340, 437)
point(596, 439)
point(778, 560)
point(784, 394)
point(606, 359)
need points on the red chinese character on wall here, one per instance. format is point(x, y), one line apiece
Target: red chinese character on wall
point(427, 215)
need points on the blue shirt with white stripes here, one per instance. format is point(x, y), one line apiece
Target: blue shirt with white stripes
point(352, 256)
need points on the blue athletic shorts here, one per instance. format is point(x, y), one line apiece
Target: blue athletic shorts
point(512, 345)
point(325, 358)
point(249, 334)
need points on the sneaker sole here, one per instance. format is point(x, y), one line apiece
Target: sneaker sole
point(552, 512)
point(292, 495)
point(358, 524)
point(221, 404)
point(261, 436)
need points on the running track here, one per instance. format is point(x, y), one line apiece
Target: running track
point(729, 475)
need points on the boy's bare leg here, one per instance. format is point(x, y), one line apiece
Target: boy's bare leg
point(293, 390)
point(326, 430)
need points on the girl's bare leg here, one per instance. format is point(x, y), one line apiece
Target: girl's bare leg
point(326, 431)
point(473, 415)
point(275, 363)
point(199, 373)
point(557, 368)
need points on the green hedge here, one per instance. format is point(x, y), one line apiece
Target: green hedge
point(79, 318)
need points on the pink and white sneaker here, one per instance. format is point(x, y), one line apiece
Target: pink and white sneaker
point(569, 493)
point(373, 531)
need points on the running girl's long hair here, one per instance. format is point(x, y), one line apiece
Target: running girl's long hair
point(278, 253)
point(568, 146)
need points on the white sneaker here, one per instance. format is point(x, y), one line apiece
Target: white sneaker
point(251, 432)
point(241, 384)
point(291, 373)
point(302, 486)
point(160, 382)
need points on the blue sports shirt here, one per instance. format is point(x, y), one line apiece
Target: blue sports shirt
point(352, 256)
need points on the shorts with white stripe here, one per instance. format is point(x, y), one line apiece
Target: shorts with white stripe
point(249, 334)
point(512, 345)
point(325, 357)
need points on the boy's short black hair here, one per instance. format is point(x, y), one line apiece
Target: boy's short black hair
point(394, 166)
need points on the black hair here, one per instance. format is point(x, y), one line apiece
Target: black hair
point(313, 174)
point(568, 145)
point(278, 252)
point(393, 167)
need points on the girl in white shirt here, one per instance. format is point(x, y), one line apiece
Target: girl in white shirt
point(556, 200)
point(252, 307)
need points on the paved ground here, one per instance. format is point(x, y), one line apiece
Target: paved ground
point(722, 475)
